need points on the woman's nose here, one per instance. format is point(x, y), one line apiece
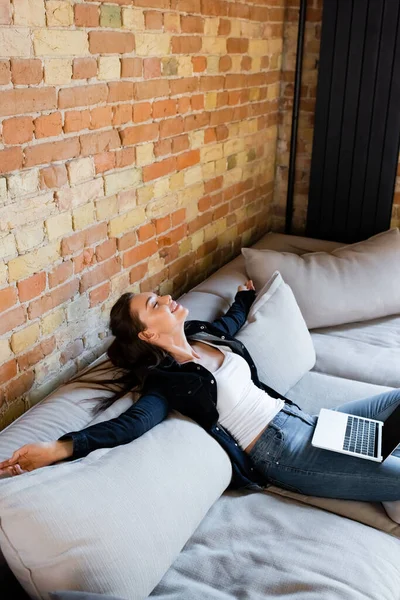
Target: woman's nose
point(166, 299)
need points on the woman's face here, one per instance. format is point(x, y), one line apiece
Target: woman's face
point(161, 315)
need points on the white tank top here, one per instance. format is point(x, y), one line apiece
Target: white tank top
point(244, 409)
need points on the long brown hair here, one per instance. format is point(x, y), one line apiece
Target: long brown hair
point(133, 358)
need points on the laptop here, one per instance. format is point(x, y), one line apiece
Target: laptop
point(357, 436)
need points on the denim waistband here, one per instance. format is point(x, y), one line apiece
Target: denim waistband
point(289, 409)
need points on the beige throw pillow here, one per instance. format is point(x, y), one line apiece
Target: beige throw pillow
point(357, 282)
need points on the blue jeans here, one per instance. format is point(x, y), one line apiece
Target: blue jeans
point(285, 456)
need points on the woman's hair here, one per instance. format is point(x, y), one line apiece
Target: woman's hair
point(133, 357)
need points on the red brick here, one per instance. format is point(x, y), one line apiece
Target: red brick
point(170, 127)
point(38, 353)
point(215, 8)
point(139, 253)
point(200, 222)
point(184, 85)
point(163, 224)
point(82, 239)
point(146, 231)
point(84, 68)
point(84, 260)
point(18, 130)
point(222, 132)
point(262, 13)
point(197, 101)
point(76, 120)
point(142, 112)
point(106, 250)
point(139, 134)
point(60, 273)
point(246, 63)
point(127, 241)
point(237, 45)
point(125, 157)
point(191, 24)
point(164, 108)
point(48, 125)
point(210, 135)
point(173, 236)
point(224, 27)
point(49, 301)
point(19, 386)
point(186, 44)
point(225, 63)
point(10, 159)
point(188, 159)
point(137, 273)
point(111, 42)
point(213, 184)
point(31, 287)
point(8, 371)
point(5, 12)
point(184, 105)
point(159, 169)
point(71, 351)
point(5, 73)
point(131, 67)
point(151, 68)
point(219, 117)
point(104, 162)
point(238, 11)
point(27, 100)
point(100, 273)
point(204, 203)
point(12, 319)
point(162, 147)
point(197, 121)
point(100, 117)
point(8, 297)
point(180, 143)
point(53, 177)
point(199, 64)
point(51, 152)
point(151, 3)
point(122, 113)
point(26, 71)
point(212, 83)
point(86, 15)
point(151, 89)
point(153, 19)
point(95, 143)
point(120, 91)
point(99, 294)
point(178, 217)
point(82, 95)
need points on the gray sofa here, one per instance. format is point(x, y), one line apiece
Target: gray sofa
point(276, 543)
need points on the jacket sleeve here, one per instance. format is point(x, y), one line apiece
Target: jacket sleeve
point(236, 316)
point(148, 411)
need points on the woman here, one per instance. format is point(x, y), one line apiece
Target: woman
point(201, 370)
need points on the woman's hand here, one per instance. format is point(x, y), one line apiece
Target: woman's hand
point(248, 286)
point(34, 456)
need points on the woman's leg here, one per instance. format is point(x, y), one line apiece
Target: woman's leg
point(285, 455)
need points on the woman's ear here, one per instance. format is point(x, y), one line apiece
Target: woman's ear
point(146, 335)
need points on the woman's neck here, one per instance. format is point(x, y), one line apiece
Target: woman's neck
point(179, 347)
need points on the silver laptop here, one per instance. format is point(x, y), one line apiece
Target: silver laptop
point(357, 436)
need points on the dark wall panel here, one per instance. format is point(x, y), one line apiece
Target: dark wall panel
point(357, 121)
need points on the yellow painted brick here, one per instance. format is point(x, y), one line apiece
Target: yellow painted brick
point(256, 64)
point(258, 47)
point(208, 170)
point(3, 190)
point(152, 44)
point(26, 182)
point(7, 245)
point(233, 130)
point(27, 210)
point(15, 42)
point(59, 13)
point(80, 170)
point(161, 187)
point(58, 226)
point(122, 180)
point(155, 265)
point(192, 210)
point(273, 91)
point(233, 146)
point(213, 45)
point(237, 63)
point(213, 65)
point(144, 154)
point(33, 262)
point(109, 67)
point(80, 194)
point(3, 274)
point(29, 237)
point(58, 71)
point(210, 100)
point(220, 166)
point(172, 22)
point(5, 351)
point(52, 321)
point(252, 126)
point(194, 192)
point(106, 208)
point(161, 207)
point(232, 176)
point(211, 152)
point(23, 339)
point(60, 42)
point(119, 283)
point(197, 239)
point(144, 194)
point(185, 247)
point(275, 45)
point(133, 18)
point(196, 139)
point(210, 232)
point(221, 226)
point(123, 223)
point(166, 287)
point(126, 201)
point(29, 12)
point(241, 159)
point(235, 28)
point(176, 181)
point(227, 236)
point(185, 66)
point(254, 94)
point(250, 29)
point(193, 175)
point(83, 216)
point(211, 25)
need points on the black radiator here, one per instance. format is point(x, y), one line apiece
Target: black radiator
point(357, 121)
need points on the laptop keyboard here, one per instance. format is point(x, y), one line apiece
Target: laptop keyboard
point(360, 436)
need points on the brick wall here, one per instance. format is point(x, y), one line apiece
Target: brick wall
point(137, 152)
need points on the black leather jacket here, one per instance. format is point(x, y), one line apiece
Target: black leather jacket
point(190, 389)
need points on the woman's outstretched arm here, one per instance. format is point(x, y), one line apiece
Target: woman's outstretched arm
point(236, 316)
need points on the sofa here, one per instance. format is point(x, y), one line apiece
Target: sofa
point(148, 520)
